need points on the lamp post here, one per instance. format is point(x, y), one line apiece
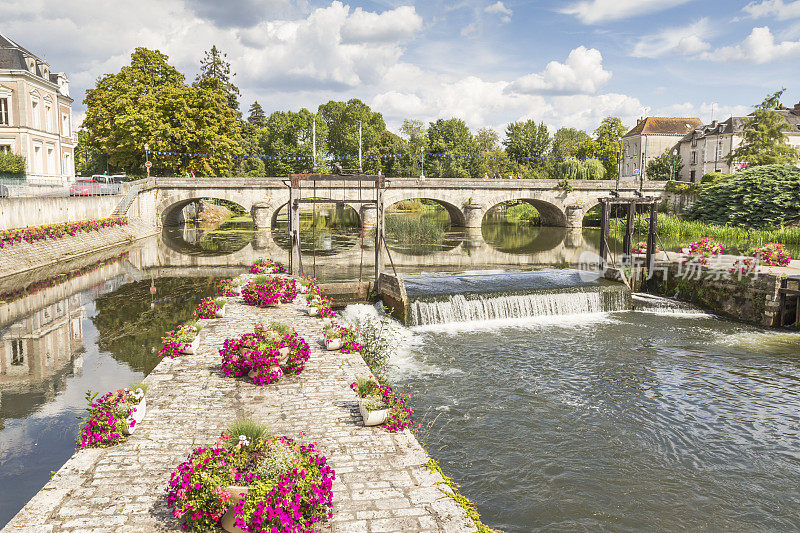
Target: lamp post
point(147, 157)
point(422, 172)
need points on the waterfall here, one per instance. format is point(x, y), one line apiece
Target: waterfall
point(648, 303)
point(472, 308)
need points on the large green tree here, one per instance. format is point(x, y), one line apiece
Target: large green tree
point(764, 140)
point(256, 116)
point(665, 167)
point(455, 150)
point(341, 119)
point(566, 142)
point(215, 65)
point(606, 146)
point(527, 140)
point(289, 134)
point(147, 102)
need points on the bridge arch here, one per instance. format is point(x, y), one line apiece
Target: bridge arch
point(284, 207)
point(169, 208)
point(457, 217)
point(550, 214)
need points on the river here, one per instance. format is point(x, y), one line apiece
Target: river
point(609, 420)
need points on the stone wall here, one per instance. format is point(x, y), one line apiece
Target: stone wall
point(393, 294)
point(677, 204)
point(38, 211)
point(24, 256)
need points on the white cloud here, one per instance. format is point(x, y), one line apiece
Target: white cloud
point(597, 11)
point(498, 8)
point(773, 8)
point(581, 73)
point(758, 47)
point(686, 40)
point(705, 111)
point(396, 25)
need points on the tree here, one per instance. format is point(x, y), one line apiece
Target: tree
point(256, 116)
point(573, 168)
point(88, 159)
point(606, 146)
point(527, 140)
point(415, 133)
point(456, 149)
point(764, 141)
point(341, 119)
point(665, 167)
point(566, 142)
point(147, 102)
point(289, 134)
point(214, 65)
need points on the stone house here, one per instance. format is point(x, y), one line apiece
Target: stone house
point(36, 114)
point(705, 149)
point(651, 137)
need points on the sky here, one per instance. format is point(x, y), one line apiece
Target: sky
point(568, 63)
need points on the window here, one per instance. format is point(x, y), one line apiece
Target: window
point(694, 142)
point(691, 175)
point(37, 158)
point(67, 165)
point(17, 357)
point(48, 117)
point(5, 148)
point(51, 160)
point(65, 125)
point(718, 154)
point(694, 157)
point(37, 121)
point(5, 119)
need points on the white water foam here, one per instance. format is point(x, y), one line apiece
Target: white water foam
point(570, 321)
point(657, 305)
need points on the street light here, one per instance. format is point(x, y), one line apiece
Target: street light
point(422, 172)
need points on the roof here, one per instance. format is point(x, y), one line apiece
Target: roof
point(737, 125)
point(12, 56)
point(665, 126)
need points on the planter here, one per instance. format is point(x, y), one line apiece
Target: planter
point(221, 312)
point(372, 418)
point(228, 519)
point(284, 352)
point(136, 416)
point(312, 311)
point(333, 344)
point(252, 373)
point(192, 346)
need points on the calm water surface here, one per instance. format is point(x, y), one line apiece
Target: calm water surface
point(624, 421)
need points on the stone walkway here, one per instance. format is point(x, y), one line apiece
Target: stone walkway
point(379, 485)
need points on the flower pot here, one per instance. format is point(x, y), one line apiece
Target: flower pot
point(284, 352)
point(228, 519)
point(312, 311)
point(136, 416)
point(372, 418)
point(192, 347)
point(221, 312)
point(333, 344)
point(327, 322)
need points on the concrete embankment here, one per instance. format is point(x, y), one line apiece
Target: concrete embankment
point(22, 256)
point(41, 210)
point(379, 483)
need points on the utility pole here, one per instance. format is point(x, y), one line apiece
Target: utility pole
point(360, 168)
point(422, 172)
point(314, 144)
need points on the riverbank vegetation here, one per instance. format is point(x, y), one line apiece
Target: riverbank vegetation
point(405, 229)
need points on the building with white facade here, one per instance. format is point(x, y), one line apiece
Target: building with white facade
point(650, 138)
point(36, 114)
point(705, 149)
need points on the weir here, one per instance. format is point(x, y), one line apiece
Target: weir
point(467, 298)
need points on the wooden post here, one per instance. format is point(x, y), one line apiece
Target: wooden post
point(627, 245)
point(651, 238)
point(295, 267)
point(604, 215)
point(379, 229)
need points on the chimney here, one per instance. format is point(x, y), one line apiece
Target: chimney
point(797, 108)
point(713, 124)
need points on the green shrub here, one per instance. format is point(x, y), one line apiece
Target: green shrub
point(713, 177)
point(760, 197)
point(249, 428)
point(682, 187)
point(523, 213)
point(11, 163)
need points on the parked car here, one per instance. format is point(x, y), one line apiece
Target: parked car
point(85, 187)
point(108, 184)
point(3, 191)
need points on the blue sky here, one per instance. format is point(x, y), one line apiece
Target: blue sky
point(489, 62)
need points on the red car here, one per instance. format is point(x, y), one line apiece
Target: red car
point(85, 187)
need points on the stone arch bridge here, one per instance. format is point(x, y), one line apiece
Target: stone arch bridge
point(466, 200)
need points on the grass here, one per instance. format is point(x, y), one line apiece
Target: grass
point(249, 428)
point(675, 227)
point(139, 385)
point(414, 230)
point(523, 214)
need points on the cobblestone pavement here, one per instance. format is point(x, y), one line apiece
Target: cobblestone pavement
point(379, 486)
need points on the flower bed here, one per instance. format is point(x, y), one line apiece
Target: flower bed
point(58, 231)
point(704, 249)
point(266, 266)
point(641, 248)
point(265, 355)
point(263, 484)
point(228, 287)
point(37, 286)
point(265, 291)
point(209, 308)
point(109, 418)
point(772, 254)
point(179, 340)
point(400, 415)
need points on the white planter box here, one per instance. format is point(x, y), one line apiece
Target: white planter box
point(136, 416)
point(312, 311)
point(221, 312)
point(372, 418)
point(228, 519)
point(192, 346)
point(333, 344)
